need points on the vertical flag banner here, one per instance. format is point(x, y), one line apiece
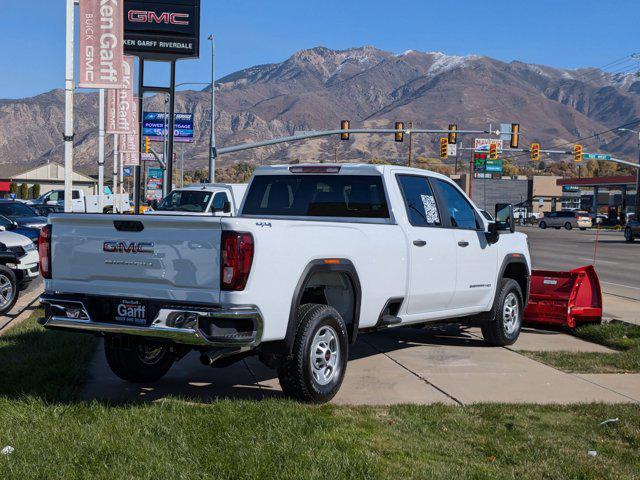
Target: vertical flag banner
point(112, 111)
point(101, 36)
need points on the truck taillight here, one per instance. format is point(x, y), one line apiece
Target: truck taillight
point(44, 249)
point(236, 254)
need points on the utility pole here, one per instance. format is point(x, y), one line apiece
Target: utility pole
point(213, 154)
point(410, 142)
point(68, 107)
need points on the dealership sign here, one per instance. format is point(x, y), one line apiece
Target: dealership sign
point(162, 29)
point(122, 105)
point(101, 43)
point(155, 126)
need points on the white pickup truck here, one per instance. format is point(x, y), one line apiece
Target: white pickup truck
point(219, 199)
point(317, 254)
point(82, 203)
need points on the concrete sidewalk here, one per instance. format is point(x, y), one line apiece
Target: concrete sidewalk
point(397, 366)
point(620, 308)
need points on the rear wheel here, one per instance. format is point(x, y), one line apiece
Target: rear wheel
point(139, 362)
point(628, 235)
point(505, 318)
point(568, 226)
point(8, 289)
point(542, 224)
point(316, 368)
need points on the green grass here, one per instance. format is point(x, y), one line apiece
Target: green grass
point(624, 338)
point(55, 435)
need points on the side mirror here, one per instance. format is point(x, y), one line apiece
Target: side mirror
point(504, 218)
point(226, 208)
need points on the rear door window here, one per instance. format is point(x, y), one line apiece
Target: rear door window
point(419, 200)
point(348, 196)
point(219, 200)
point(459, 212)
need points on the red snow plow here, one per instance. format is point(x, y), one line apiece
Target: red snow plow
point(564, 299)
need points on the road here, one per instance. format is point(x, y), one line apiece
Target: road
point(617, 262)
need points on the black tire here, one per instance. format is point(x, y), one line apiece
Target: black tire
point(9, 289)
point(496, 330)
point(139, 362)
point(568, 226)
point(628, 235)
point(583, 228)
point(542, 224)
point(296, 373)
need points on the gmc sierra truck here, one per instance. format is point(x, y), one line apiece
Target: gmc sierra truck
point(317, 254)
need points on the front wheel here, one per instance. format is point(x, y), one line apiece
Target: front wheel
point(315, 370)
point(139, 362)
point(628, 235)
point(9, 289)
point(543, 225)
point(504, 321)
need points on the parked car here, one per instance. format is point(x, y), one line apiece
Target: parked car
point(82, 203)
point(46, 210)
point(8, 225)
point(22, 214)
point(220, 199)
point(632, 230)
point(567, 218)
point(317, 254)
point(18, 267)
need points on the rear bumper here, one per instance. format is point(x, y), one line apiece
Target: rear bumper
point(191, 326)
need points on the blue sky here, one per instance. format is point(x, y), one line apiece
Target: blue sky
point(560, 33)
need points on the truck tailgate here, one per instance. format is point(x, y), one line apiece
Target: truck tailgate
point(154, 257)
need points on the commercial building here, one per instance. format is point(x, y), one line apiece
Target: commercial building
point(49, 176)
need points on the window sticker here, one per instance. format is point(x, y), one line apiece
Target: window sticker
point(430, 209)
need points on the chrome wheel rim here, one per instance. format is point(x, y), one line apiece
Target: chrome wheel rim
point(6, 291)
point(325, 355)
point(150, 355)
point(511, 314)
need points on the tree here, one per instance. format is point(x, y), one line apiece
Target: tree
point(24, 191)
point(243, 170)
point(36, 190)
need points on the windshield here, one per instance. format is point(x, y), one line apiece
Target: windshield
point(6, 223)
point(186, 201)
point(16, 209)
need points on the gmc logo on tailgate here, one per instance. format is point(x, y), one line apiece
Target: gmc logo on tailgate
point(128, 247)
point(164, 18)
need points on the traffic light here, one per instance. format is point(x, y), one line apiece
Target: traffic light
point(444, 147)
point(515, 135)
point(493, 151)
point(535, 152)
point(399, 135)
point(577, 153)
point(344, 125)
point(147, 145)
point(453, 136)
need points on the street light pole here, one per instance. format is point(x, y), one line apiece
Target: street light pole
point(212, 147)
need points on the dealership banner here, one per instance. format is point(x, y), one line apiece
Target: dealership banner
point(122, 104)
point(101, 40)
point(131, 159)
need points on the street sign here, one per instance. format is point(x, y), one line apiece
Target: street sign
point(162, 29)
point(127, 172)
point(596, 156)
point(452, 150)
point(505, 132)
point(155, 180)
point(156, 124)
point(482, 144)
point(150, 157)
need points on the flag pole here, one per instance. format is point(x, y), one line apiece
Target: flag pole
point(68, 107)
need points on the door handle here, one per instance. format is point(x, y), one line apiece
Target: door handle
point(419, 243)
point(463, 244)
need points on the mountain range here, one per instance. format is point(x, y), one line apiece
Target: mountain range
point(316, 88)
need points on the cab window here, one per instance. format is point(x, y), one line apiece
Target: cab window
point(458, 211)
point(419, 201)
point(218, 201)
